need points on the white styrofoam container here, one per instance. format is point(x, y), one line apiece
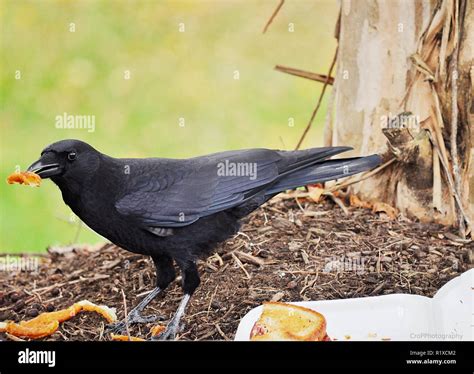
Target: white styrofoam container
point(446, 316)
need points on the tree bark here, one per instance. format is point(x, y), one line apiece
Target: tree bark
point(415, 58)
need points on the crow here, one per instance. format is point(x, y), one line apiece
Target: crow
point(177, 210)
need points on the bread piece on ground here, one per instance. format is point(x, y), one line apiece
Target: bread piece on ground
point(125, 338)
point(47, 323)
point(280, 321)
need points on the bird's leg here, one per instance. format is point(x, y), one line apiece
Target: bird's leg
point(173, 326)
point(190, 283)
point(165, 275)
point(135, 314)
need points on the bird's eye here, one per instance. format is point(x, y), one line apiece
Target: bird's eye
point(71, 156)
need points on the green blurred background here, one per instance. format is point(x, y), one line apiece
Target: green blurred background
point(173, 75)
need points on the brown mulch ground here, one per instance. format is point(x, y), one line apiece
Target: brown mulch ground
point(283, 253)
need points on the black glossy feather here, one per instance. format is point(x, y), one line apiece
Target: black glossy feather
point(176, 193)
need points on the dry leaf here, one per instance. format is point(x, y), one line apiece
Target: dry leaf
point(358, 203)
point(380, 207)
point(315, 193)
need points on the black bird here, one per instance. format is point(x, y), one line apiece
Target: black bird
point(176, 211)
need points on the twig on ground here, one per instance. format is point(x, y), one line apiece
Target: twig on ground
point(247, 257)
point(126, 313)
point(240, 265)
point(338, 202)
point(221, 333)
point(14, 338)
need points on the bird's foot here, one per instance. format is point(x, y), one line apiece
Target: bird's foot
point(170, 333)
point(133, 317)
point(174, 324)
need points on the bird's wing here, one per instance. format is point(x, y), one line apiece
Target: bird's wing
point(175, 193)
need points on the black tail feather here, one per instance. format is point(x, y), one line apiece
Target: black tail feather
point(325, 171)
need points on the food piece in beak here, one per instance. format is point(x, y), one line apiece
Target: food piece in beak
point(27, 178)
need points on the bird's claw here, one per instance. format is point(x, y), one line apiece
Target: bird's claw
point(117, 327)
point(134, 317)
point(169, 333)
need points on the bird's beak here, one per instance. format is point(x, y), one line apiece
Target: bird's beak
point(45, 169)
